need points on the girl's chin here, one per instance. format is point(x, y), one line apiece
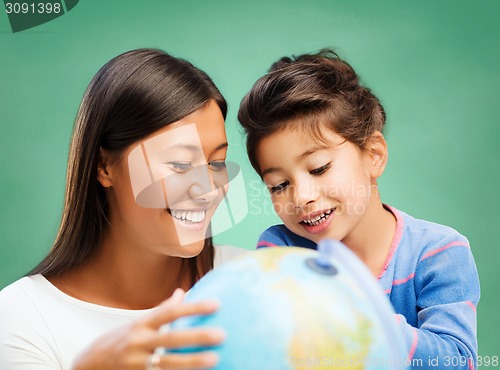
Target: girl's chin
point(316, 238)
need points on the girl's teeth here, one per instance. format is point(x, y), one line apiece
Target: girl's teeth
point(319, 219)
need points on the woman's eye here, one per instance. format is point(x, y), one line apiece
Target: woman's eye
point(278, 188)
point(320, 170)
point(180, 166)
point(217, 165)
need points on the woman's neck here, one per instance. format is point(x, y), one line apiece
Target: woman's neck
point(124, 276)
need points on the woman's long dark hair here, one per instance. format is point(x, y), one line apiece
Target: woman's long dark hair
point(132, 96)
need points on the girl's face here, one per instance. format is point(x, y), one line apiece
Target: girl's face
point(165, 189)
point(318, 189)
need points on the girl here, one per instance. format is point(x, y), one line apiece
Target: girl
point(147, 122)
point(314, 135)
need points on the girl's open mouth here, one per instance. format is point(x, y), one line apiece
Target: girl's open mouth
point(318, 223)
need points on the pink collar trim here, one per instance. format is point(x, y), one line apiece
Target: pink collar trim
point(395, 240)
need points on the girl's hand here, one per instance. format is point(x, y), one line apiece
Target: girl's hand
point(130, 348)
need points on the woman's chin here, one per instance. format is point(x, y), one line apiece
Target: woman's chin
point(190, 250)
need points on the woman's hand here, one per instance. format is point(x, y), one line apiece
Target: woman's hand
point(130, 348)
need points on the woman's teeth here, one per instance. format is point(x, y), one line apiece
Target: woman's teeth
point(318, 219)
point(190, 216)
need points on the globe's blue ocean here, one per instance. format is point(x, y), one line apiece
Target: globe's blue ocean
point(280, 313)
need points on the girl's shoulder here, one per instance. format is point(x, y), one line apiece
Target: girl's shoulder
point(421, 239)
point(281, 236)
point(432, 232)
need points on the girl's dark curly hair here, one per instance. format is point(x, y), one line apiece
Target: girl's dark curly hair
point(311, 91)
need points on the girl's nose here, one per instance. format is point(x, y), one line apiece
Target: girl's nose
point(303, 194)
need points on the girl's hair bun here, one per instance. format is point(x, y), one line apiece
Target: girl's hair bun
point(283, 62)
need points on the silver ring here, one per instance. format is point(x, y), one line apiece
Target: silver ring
point(153, 362)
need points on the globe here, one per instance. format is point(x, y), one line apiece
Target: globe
point(297, 308)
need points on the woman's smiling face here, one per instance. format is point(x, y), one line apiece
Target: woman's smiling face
point(319, 188)
point(166, 188)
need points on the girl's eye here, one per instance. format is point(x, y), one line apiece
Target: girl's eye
point(180, 166)
point(278, 188)
point(320, 170)
point(217, 165)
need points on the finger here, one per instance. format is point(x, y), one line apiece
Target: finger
point(176, 298)
point(201, 360)
point(168, 313)
point(191, 338)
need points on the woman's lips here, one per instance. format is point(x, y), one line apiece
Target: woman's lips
point(191, 219)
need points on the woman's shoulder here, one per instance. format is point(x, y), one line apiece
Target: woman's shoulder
point(26, 335)
point(23, 299)
point(20, 291)
point(19, 306)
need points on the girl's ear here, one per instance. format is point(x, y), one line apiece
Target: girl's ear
point(376, 147)
point(103, 169)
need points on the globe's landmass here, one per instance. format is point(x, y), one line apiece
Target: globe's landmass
point(281, 314)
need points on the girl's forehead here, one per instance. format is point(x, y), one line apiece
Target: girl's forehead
point(306, 135)
point(296, 145)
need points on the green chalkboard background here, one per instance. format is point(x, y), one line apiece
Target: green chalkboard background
point(434, 65)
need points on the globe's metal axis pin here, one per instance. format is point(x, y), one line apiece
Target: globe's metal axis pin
point(323, 263)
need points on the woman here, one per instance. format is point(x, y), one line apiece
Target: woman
point(135, 226)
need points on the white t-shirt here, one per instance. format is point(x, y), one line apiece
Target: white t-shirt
point(42, 328)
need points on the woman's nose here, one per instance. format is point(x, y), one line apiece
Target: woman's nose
point(202, 186)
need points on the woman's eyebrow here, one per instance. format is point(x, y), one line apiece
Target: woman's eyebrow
point(190, 147)
point(221, 146)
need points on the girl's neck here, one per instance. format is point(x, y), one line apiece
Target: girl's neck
point(372, 237)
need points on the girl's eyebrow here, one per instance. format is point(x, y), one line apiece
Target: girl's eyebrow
point(309, 152)
point(317, 147)
point(301, 156)
point(269, 170)
point(312, 150)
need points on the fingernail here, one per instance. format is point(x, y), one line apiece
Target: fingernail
point(178, 293)
point(217, 335)
point(212, 304)
point(210, 359)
